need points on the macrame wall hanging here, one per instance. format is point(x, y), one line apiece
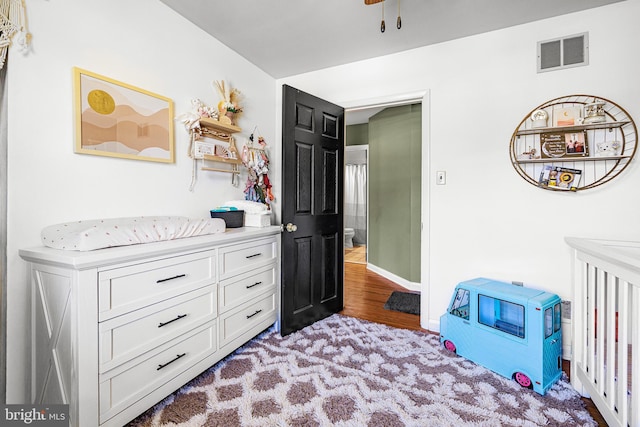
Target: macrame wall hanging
point(12, 21)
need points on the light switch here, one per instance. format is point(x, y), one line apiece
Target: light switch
point(441, 177)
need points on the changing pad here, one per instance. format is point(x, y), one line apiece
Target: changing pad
point(106, 233)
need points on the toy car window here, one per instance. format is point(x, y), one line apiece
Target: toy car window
point(460, 305)
point(548, 322)
point(557, 317)
point(502, 315)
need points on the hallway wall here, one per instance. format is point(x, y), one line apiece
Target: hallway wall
point(394, 190)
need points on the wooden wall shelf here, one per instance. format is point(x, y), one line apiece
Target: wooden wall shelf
point(224, 132)
point(222, 159)
point(219, 126)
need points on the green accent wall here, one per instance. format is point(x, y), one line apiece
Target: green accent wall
point(395, 169)
point(357, 134)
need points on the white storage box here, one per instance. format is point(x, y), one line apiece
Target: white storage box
point(261, 219)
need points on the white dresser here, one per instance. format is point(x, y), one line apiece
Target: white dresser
point(117, 330)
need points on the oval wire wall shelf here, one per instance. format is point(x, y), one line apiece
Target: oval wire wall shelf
point(584, 155)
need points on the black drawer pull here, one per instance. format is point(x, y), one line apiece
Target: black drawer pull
point(253, 256)
point(180, 316)
point(171, 278)
point(251, 315)
point(255, 284)
point(171, 361)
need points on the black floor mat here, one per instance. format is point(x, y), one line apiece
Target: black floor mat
point(405, 302)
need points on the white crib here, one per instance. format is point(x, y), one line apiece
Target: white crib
point(606, 325)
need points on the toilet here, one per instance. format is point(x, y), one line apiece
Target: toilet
point(348, 237)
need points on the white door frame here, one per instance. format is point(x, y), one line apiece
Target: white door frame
point(423, 97)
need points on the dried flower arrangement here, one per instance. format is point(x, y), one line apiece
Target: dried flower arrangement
point(229, 106)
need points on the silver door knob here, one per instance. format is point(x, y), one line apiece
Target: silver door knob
point(291, 227)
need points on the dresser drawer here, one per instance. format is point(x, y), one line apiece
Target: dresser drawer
point(126, 337)
point(129, 288)
point(242, 319)
point(126, 384)
point(241, 258)
point(242, 288)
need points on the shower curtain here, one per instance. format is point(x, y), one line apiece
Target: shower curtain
point(355, 206)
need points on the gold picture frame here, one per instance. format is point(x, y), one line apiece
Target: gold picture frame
point(115, 119)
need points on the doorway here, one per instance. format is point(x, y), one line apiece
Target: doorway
point(356, 191)
point(367, 109)
point(382, 200)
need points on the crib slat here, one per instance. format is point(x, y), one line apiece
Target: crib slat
point(591, 323)
point(600, 367)
point(608, 339)
point(623, 355)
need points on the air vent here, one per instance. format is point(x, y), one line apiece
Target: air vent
point(564, 52)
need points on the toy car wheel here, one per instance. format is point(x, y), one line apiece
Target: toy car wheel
point(522, 379)
point(450, 346)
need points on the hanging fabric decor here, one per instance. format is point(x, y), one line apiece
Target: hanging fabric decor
point(12, 21)
point(254, 158)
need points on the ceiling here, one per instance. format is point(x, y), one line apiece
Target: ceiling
point(289, 37)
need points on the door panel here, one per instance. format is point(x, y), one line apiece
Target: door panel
point(329, 268)
point(304, 172)
point(313, 187)
point(303, 291)
point(330, 173)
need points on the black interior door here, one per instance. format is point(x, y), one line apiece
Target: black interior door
point(312, 204)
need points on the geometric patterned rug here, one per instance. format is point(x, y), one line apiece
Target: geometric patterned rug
point(343, 371)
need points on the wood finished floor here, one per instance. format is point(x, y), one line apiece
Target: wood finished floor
point(365, 293)
point(357, 254)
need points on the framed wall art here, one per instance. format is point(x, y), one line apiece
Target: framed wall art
point(116, 119)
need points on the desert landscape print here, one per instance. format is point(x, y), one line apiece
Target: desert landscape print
point(119, 120)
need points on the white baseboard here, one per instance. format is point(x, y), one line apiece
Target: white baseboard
point(412, 286)
point(432, 325)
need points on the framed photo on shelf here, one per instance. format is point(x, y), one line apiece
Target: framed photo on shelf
point(564, 144)
point(560, 178)
point(567, 116)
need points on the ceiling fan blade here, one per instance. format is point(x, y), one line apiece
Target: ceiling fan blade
point(372, 1)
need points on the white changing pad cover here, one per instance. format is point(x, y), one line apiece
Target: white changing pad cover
point(107, 233)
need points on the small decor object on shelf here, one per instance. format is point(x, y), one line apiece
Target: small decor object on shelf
point(199, 110)
point(539, 119)
point(608, 148)
point(229, 107)
point(553, 145)
point(567, 116)
point(560, 177)
point(564, 144)
point(528, 155)
point(594, 112)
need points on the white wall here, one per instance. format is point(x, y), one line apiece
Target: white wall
point(142, 43)
point(487, 221)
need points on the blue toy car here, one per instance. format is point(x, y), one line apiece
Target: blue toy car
point(511, 330)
